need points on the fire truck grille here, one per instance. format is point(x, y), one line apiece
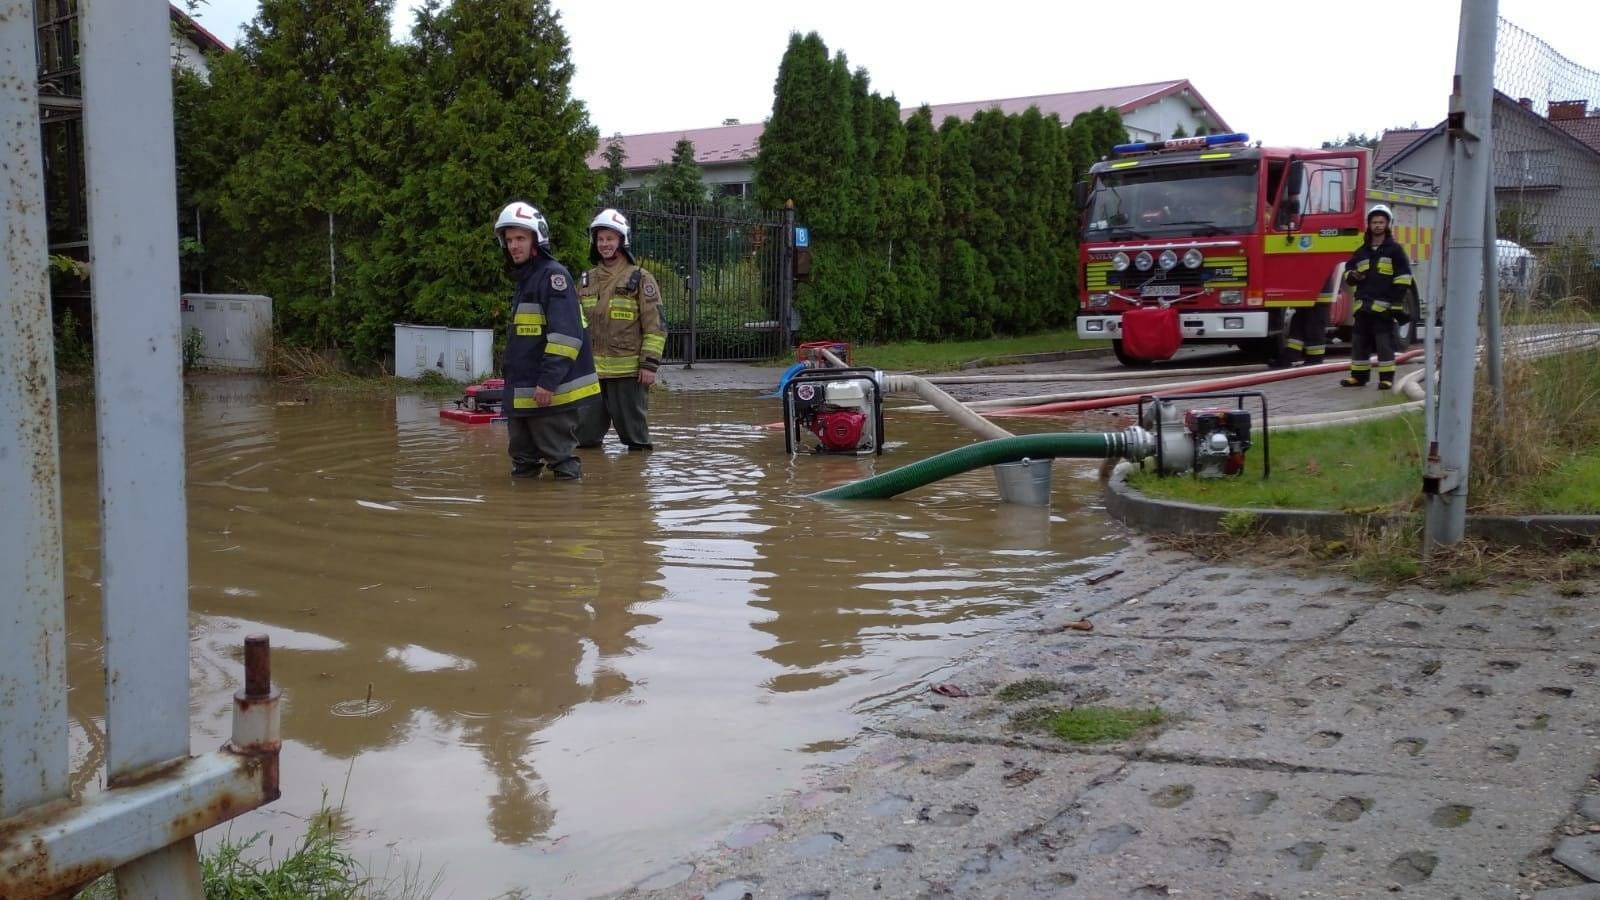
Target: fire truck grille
point(1215, 273)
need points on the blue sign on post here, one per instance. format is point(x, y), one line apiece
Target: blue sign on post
point(802, 236)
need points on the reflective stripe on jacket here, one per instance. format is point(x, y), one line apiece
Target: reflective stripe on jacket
point(1388, 276)
point(546, 343)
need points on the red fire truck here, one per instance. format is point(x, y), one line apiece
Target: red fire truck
point(1234, 237)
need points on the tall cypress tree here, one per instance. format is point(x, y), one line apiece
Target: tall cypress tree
point(615, 156)
point(964, 277)
point(679, 182)
point(281, 138)
point(807, 146)
point(916, 225)
point(996, 226)
point(494, 121)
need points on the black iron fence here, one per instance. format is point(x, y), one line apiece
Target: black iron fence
point(726, 285)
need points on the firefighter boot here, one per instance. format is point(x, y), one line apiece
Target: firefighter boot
point(527, 471)
point(1354, 379)
point(1385, 382)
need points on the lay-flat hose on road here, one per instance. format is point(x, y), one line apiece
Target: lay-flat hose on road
point(973, 456)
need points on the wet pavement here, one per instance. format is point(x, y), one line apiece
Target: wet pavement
point(557, 688)
point(1326, 739)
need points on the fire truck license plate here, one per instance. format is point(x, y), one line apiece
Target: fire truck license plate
point(1161, 290)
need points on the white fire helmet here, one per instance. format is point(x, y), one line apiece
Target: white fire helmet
point(616, 221)
point(522, 215)
point(1380, 210)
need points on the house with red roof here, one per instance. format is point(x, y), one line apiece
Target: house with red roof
point(726, 153)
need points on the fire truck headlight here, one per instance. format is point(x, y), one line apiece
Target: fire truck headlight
point(1230, 298)
point(1192, 258)
point(1143, 261)
point(1120, 262)
point(1099, 300)
point(1168, 260)
point(1094, 325)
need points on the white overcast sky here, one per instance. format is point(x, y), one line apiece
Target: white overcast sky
point(1287, 74)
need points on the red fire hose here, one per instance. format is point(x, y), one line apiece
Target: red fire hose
point(1045, 409)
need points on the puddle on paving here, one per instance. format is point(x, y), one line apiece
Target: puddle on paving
point(569, 684)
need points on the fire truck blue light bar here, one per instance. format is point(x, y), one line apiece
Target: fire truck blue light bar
point(1187, 143)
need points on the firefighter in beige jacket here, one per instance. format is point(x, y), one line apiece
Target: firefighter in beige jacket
point(623, 305)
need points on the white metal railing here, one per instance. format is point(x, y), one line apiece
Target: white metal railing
point(158, 796)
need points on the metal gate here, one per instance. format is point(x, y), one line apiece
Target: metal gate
point(726, 279)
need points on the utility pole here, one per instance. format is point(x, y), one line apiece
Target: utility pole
point(1444, 474)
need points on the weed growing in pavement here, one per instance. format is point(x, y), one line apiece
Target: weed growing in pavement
point(1028, 689)
point(1240, 523)
point(1090, 724)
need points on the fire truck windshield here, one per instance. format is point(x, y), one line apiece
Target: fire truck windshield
point(1173, 200)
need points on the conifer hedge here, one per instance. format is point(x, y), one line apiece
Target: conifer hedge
point(924, 230)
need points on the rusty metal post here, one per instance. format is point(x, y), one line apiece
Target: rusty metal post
point(56, 848)
point(33, 685)
point(133, 244)
point(256, 718)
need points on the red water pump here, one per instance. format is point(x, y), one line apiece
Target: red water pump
point(841, 408)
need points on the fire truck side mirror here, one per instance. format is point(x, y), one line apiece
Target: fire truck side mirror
point(1080, 194)
point(1288, 214)
point(1297, 175)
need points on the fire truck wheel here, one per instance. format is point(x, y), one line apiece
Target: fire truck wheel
point(1131, 362)
point(1414, 312)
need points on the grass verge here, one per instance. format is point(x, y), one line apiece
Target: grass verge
point(1366, 467)
point(1090, 724)
point(316, 865)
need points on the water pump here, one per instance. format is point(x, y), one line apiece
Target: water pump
point(1209, 441)
point(833, 411)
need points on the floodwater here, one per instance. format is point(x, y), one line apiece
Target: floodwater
point(552, 688)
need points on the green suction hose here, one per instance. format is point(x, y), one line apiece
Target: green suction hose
point(1131, 444)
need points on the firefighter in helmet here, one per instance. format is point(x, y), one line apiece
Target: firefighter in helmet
point(1379, 275)
point(623, 306)
point(548, 365)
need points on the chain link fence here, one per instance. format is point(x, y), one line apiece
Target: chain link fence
point(1545, 172)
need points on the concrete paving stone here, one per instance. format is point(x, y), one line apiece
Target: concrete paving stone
point(1193, 679)
point(1590, 807)
point(1576, 892)
point(1235, 831)
point(1581, 855)
point(1232, 607)
point(949, 805)
point(1406, 711)
point(1482, 619)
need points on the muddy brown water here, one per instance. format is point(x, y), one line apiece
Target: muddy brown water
point(572, 687)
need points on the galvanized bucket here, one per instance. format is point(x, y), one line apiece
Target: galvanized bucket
point(1025, 482)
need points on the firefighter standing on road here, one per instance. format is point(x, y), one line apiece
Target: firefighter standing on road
point(623, 306)
point(548, 365)
point(1380, 276)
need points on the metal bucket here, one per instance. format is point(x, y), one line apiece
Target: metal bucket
point(1026, 482)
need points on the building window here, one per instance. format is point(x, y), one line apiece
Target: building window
point(736, 189)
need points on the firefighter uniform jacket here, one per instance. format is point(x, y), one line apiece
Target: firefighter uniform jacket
point(623, 306)
point(1388, 277)
point(546, 345)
